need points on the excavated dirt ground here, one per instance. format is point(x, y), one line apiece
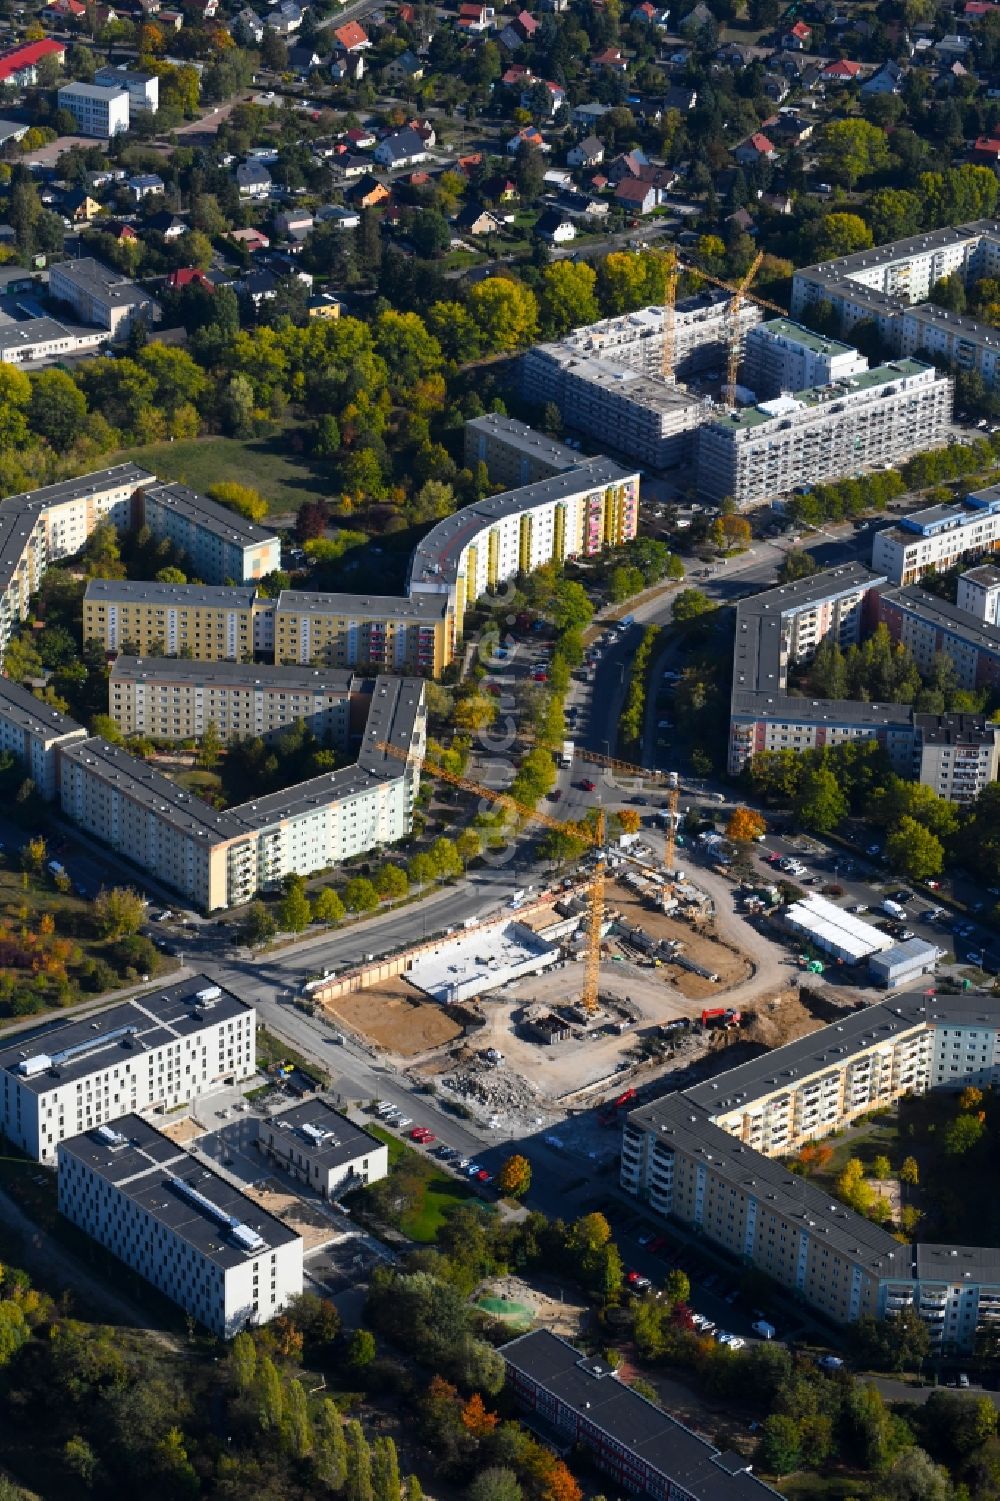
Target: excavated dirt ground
point(732, 968)
point(397, 1017)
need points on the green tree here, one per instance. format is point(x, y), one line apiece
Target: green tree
point(796, 564)
point(120, 911)
point(79, 1458)
point(242, 1362)
point(57, 410)
point(359, 1485)
point(915, 1477)
point(780, 1449)
point(269, 1395)
point(385, 1470)
point(909, 1173)
point(567, 297)
point(851, 149)
point(820, 804)
point(505, 313)
point(330, 1446)
point(391, 882)
point(496, 1483)
point(914, 851)
point(294, 911)
point(361, 1349)
point(296, 1424)
point(327, 906)
point(360, 895)
point(842, 234)
point(259, 926)
point(962, 1134)
point(881, 1167)
point(691, 604)
point(209, 747)
point(469, 846)
point(677, 1286)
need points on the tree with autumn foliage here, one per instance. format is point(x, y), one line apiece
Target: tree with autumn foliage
point(515, 1176)
point(745, 825)
point(630, 821)
point(476, 1417)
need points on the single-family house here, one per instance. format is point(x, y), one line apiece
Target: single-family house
point(756, 148)
point(586, 153)
point(986, 150)
point(776, 87)
point(516, 75)
point(253, 180)
point(627, 164)
point(586, 116)
point(475, 19)
point(189, 276)
point(518, 31)
point(250, 24)
point(359, 138)
point(636, 197)
point(610, 60)
point(582, 204)
point(843, 71)
point(78, 207)
point(528, 135)
point(404, 148)
point(406, 68)
point(63, 12)
point(469, 164)
point(554, 96)
point(953, 48)
point(681, 97)
point(303, 58)
point(347, 67)
point(797, 38)
point(252, 240)
point(886, 80)
point(326, 305)
point(555, 227)
point(144, 185)
point(349, 166)
point(339, 216)
point(368, 192)
point(285, 18)
point(293, 222)
point(351, 37)
point(778, 203)
point(258, 286)
point(473, 219)
point(170, 226)
point(499, 189)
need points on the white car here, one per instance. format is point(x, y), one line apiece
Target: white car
point(735, 1342)
point(403, 1122)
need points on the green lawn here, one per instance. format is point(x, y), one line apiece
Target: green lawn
point(268, 464)
point(439, 1191)
point(806, 1486)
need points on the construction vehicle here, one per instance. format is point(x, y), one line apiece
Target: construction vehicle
point(724, 1016)
point(608, 1114)
point(593, 836)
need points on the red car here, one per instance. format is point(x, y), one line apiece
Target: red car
point(483, 1176)
point(426, 1138)
point(420, 1133)
point(587, 785)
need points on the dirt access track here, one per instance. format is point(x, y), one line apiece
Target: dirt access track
point(731, 967)
point(394, 1015)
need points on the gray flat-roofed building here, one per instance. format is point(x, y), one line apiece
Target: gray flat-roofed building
point(956, 754)
point(34, 731)
point(155, 1051)
point(979, 593)
point(782, 355)
point(38, 340)
point(202, 1242)
point(317, 1145)
point(513, 452)
point(903, 963)
point(222, 545)
point(100, 295)
point(646, 1451)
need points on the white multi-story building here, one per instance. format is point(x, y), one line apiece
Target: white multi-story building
point(649, 419)
point(709, 1157)
point(859, 423)
point(154, 1052)
point(98, 111)
point(958, 755)
point(221, 545)
point(979, 593)
point(938, 537)
point(34, 732)
point(101, 296)
point(206, 1246)
point(929, 625)
point(514, 454)
point(313, 1143)
point(702, 329)
point(785, 356)
point(143, 88)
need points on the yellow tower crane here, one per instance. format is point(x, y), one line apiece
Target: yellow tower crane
point(670, 315)
point(733, 362)
point(590, 836)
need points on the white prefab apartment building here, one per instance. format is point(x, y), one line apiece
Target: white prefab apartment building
point(206, 1246)
point(98, 111)
point(785, 356)
point(313, 1143)
point(859, 423)
point(100, 295)
point(979, 593)
point(939, 537)
point(154, 1052)
point(34, 732)
point(222, 546)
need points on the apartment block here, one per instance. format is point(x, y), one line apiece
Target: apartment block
point(100, 295)
point(645, 1451)
point(98, 111)
point(979, 593)
point(314, 1144)
point(486, 545)
point(514, 454)
point(221, 546)
point(710, 1158)
point(173, 698)
point(782, 355)
point(702, 327)
point(958, 755)
point(377, 633)
point(143, 88)
point(641, 416)
point(154, 1052)
point(939, 536)
point(889, 286)
point(859, 423)
point(929, 625)
point(222, 859)
point(202, 1243)
point(34, 732)
point(39, 527)
point(204, 622)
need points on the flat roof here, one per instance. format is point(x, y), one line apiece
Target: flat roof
point(100, 280)
point(20, 706)
point(986, 576)
point(434, 563)
point(143, 784)
point(20, 513)
point(424, 607)
point(182, 596)
point(524, 439)
point(947, 617)
point(797, 333)
point(830, 924)
point(628, 381)
point(331, 1139)
point(260, 676)
point(92, 90)
point(911, 950)
point(70, 1049)
point(848, 266)
point(185, 1195)
point(202, 511)
point(818, 398)
point(956, 729)
point(589, 1386)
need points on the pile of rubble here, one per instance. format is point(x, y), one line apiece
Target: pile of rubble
point(496, 1087)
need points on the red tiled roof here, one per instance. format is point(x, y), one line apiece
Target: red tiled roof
point(28, 56)
point(842, 69)
point(187, 276)
point(801, 30)
point(351, 35)
point(761, 143)
point(631, 189)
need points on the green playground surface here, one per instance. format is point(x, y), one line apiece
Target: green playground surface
point(508, 1309)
